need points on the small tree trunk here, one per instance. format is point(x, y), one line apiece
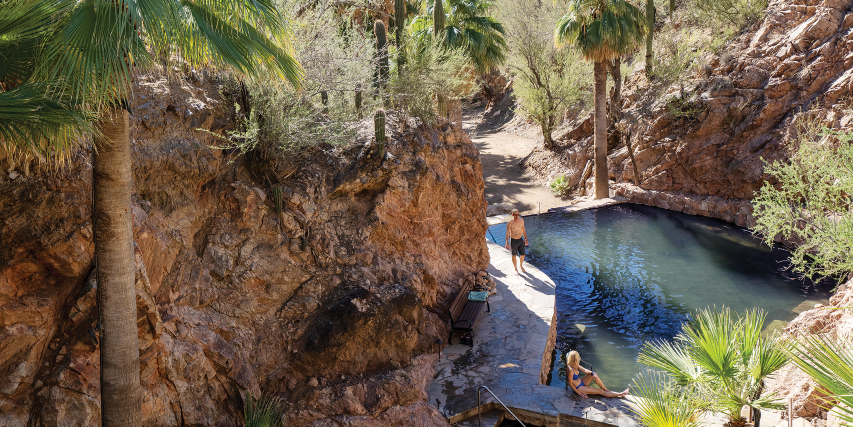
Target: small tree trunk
point(616, 99)
point(120, 391)
point(633, 162)
point(650, 23)
point(548, 142)
point(602, 189)
point(671, 9)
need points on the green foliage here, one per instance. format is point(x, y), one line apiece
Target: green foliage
point(264, 411)
point(37, 115)
point(548, 81)
point(828, 360)
point(723, 358)
point(661, 402)
point(379, 132)
point(466, 25)
point(559, 185)
point(675, 54)
point(278, 119)
point(437, 71)
point(278, 199)
point(727, 12)
point(811, 204)
point(601, 29)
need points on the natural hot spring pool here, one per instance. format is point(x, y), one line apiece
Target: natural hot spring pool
point(628, 273)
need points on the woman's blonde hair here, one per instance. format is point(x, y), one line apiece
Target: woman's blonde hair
point(573, 358)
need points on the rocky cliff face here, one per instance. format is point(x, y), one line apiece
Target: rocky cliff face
point(800, 57)
point(334, 304)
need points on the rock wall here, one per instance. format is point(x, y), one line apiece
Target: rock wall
point(334, 305)
point(799, 57)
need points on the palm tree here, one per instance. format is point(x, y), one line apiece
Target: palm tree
point(660, 402)
point(36, 116)
point(602, 30)
point(828, 360)
point(725, 358)
point(467, 26)
point(96, 51)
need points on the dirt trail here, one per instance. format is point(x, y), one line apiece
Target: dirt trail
point(506, 182)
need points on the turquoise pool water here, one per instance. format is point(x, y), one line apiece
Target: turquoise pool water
point(627, 274)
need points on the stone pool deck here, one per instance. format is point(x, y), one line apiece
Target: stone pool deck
point(512, 356)
point(579, 206)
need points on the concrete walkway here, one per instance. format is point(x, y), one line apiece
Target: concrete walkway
point(513, 346)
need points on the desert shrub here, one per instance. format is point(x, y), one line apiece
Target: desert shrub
point(432, 70)
point(727, 12)
point(548, 81)
point(559, 185)
point(811, 202)
point(675, 54)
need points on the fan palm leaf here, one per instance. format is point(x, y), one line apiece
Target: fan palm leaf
point(601, 29)
point(658, 402)
point(828, 359)
point(35, 117)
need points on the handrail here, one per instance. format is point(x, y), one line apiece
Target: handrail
point(479, 420)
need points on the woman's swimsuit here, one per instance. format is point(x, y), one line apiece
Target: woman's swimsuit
point(575, 377)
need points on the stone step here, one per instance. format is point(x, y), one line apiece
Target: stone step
point(490, 418)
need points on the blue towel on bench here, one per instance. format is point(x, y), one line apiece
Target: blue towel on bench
point(478, 295)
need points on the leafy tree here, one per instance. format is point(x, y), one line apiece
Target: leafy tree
point(468, 27)
point(548, 81)
point(602, 30)
point(724, 358)
point(94, 53)
point(811, 202)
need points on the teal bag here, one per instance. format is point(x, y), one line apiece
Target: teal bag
point(478, 295)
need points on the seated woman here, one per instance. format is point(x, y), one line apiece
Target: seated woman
point(581, 386)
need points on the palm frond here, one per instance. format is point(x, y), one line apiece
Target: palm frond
point(828, 359)
point(672, 359)
point(658, 402)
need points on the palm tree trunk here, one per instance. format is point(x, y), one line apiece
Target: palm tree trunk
point(599, 70)
point(120, 391)
point(650, 23)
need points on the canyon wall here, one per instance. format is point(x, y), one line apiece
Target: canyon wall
point(335, 304)
point(747, 100)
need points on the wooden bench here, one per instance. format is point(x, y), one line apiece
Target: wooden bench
point(464, 313)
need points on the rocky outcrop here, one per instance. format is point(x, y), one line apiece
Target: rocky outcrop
point(334, 304)
point(737, 112)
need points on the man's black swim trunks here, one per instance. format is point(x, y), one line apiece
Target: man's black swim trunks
point(516, 246)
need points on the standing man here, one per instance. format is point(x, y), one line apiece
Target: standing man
point(514, 242)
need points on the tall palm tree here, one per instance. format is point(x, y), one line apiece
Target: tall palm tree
point(723, 356)
point(469, 27)
point(602, 30)
point(96, 52)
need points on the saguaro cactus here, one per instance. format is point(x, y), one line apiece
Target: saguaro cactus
point(438, 19)
point(400, 26)
point(324, 97)
point(381, 52)
point(358, 99)
point(379, 129)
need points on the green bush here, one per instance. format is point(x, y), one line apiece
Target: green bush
point(810, 203)
point(559, 185)
point(264, 411)
point(548, 81)
point(727, 12)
